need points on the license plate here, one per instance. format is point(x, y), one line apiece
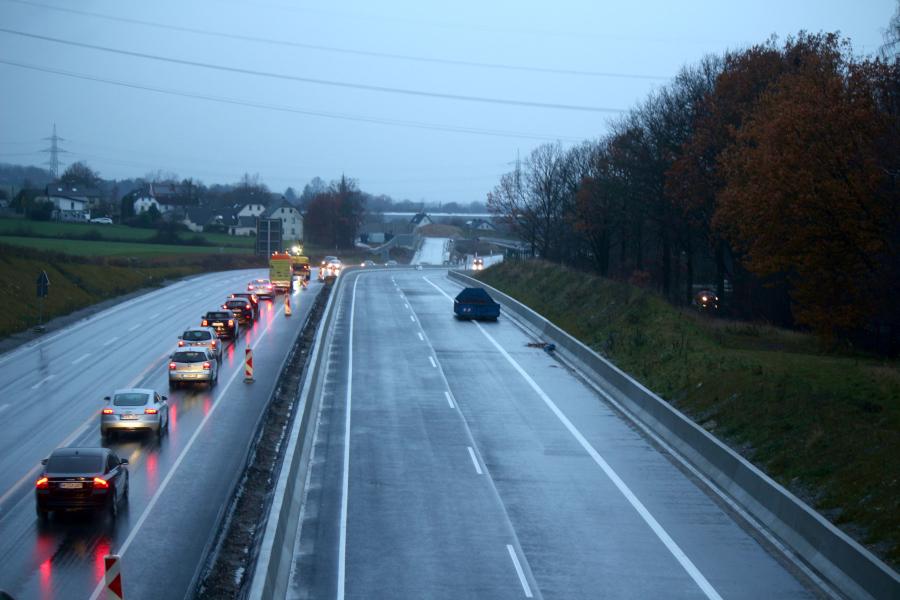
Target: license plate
point(218, 324)
point(129, 417)
point(191, 376)
point(70, 485)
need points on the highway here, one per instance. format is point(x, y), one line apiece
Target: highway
point(180, 485)
point(452, 460)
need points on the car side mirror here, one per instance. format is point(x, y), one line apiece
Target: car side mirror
point(45, 461)
point(107, 398)
point(123, 462)
point(179, 337)
point(164, 398)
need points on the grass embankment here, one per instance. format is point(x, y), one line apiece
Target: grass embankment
point(826, 426)
point(22, 228)
point(77, 282)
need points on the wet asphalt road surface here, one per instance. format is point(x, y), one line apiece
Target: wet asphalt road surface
point(479, 467)
point(179, 485)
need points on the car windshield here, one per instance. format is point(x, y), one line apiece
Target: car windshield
point(261, 282)
point(78, 463)
point(130, 399)
point(196, 336)
point(189, 357)
point(235, 304)
point(218, 315)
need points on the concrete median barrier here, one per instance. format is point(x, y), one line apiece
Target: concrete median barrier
point(273, 565)
point(836, 557)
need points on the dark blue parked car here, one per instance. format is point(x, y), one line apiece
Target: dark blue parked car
point(475, 303)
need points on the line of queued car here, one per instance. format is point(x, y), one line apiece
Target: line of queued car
point(96, 479)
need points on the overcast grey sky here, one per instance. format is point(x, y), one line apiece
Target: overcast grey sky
point(448, 156)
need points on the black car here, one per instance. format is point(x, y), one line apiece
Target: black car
point(250, 297)
point(81, 479)
point(241, 308)
point(223, 322)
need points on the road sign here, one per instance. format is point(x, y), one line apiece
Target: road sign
point(43, 285)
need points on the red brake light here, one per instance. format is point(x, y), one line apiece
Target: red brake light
point(171, 366)
point(230, 323)
point(181, 342)
point(247, 306)
point(150, 411)
point(206, 365)
point(41, 483)
point(214, 343)
point(108, 411)
point(100, 483)
point(204, 323)
point(250, 287)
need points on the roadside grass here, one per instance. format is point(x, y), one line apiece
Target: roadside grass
point(825, 425)
point(110, 248)
point(80, 281)
point(120, 233)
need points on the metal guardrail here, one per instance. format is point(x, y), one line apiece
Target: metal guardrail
point(839, 559)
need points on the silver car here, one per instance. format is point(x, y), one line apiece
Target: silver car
point(193, 365)
point(134, 409)
point(202, 337)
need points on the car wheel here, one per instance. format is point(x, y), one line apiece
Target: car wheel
point(42, 513)
point(113, 508)
point(173, 385)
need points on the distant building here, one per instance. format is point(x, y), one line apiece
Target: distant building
point(170, 199)
point(197, 219)
point(481, 225)
point(71, 203)
point(291, 220)
point(420, 220)
point(243, 226)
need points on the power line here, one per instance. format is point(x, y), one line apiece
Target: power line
point(287, 109)
point(326, 82)
point(351, 51)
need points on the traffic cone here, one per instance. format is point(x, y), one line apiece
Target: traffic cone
point(113, 577)
point(248, 365)
point(287, 305)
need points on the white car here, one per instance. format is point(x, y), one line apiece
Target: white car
point(102, 220)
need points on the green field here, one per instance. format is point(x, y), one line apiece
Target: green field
point(104, 248)
point(825, 425)
point(90, 232)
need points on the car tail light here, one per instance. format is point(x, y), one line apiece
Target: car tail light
point(250, 287)
point(150, 411)
point(214, 344)
point(204, 323)
point(269, 286)
point(171, 366)
point(206, 365)
point(108, 411)
point(100, 483)
point(230, 323)
point(42, 483)
point(247, 306)
point(181, 342)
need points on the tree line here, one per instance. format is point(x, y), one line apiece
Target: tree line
point(769, 173)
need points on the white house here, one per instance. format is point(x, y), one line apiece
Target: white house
point(420, 220)
point(70, 202)
point(144, 202)
point(291, 220)
point(251, 209)
point(242, 226)
point(481, 225)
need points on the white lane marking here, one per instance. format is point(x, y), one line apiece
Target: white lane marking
point(153, 316)
point(421, 337)
point(140, 522)
point(80, 358)
point(433, 364)
point(474, 460)
point(676, 551)
point(42, 381)
point(515, 560)
point(133, 327)
point(3, 407)
point(412, 318)
point(449, 399)
point(110, 341)
point(345, 478)
point(406, 305)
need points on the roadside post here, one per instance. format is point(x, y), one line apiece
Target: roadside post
point(287, 305)
point(248, 365)
point(113, 578)
point(43, 290)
